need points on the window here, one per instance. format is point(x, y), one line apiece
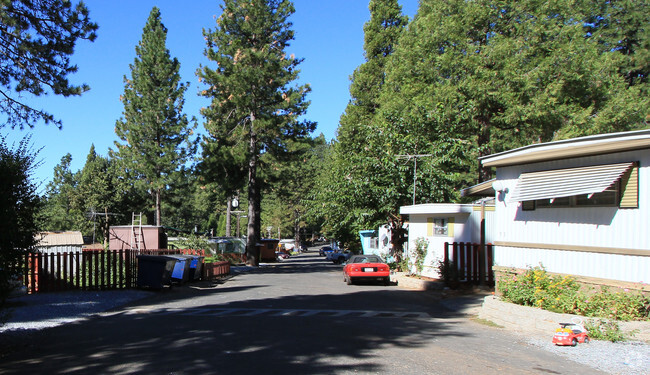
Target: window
point(622, 190)
point(440, 227)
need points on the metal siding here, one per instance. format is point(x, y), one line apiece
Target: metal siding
point(585, 226)
point(605, 266)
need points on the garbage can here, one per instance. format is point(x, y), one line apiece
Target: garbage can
point(154, 271)
point(196, 266)
point(181, 272)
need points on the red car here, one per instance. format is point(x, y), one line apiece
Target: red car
point(366, 267)
point(570, 334)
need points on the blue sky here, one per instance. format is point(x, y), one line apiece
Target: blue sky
point(328, 35)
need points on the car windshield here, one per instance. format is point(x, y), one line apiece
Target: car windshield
point(366, 259)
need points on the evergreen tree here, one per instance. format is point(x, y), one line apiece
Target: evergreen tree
point(97, 192)
point(254, 109)
point(59, 211)
point(37, 39)
point(155, 132)
point(485, 76)
point(18, 205)
point(363, 181)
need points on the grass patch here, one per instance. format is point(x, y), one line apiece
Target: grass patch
point(485, 322)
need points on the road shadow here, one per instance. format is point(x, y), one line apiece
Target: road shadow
point(255, 335)
point(191, 340)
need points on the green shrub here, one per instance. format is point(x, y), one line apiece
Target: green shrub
point(401, 266)
point(562, 294)
point(421, 247)
point(213, 259)
point(601, 329)
point(448, 272)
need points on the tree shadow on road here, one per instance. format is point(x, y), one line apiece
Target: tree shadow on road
point(265, 335)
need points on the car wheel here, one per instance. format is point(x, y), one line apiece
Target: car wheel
point(574, 342)
point(350, 282)
point(586, 340)
point(341, 260)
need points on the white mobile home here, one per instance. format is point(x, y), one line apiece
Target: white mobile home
point(377, 242)
point(438, 223)
point(579, 206)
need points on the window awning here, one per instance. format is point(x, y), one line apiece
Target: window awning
point(569, 182)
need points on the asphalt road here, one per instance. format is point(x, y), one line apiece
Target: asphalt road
point(294, 317)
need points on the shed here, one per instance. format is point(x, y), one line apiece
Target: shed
point(59, 242)
point(576, 206)
point(149, 237)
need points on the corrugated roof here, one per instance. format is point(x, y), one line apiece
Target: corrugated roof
point(568, 182)
point(59, 238)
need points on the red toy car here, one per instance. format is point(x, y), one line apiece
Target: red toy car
point(570, 334)
point(366, 267)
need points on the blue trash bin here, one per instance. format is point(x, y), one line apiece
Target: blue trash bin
point(196, 266)
point(154, 271)
point(181, 272)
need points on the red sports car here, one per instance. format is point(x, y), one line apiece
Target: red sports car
point(366, 267)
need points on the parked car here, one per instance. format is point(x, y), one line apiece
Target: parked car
point(366, 267)
point(338, 257)
point(324, 250)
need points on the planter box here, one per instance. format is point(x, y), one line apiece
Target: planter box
point(212, 271)
point(403, 280)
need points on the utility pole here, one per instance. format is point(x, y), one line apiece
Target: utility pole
point(228, 212)
point(238, 213)
point(415, 167)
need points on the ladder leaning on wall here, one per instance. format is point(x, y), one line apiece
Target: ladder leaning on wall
point(137, 236)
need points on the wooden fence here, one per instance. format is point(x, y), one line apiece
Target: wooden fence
point(467, 258)
point(96, 269)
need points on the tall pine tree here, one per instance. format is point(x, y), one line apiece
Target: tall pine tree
point(359, 200)
point(254, 108)
point(156, 134)
point(38, 38)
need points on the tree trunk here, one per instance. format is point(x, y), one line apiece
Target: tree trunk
point(105, 228)
point(158, 208)
point(484, 173)
point(252, 256)
point(228, 213)
point(296, 228)
point(397, 236)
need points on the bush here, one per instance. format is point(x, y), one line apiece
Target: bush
point(401, 266)
point(601, 329)
point(18, 206)
point(448, 272)
point(563, 294)
point(421, 247)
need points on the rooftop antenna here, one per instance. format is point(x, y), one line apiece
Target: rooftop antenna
point(415, 167)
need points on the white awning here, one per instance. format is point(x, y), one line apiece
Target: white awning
point(567, 182)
